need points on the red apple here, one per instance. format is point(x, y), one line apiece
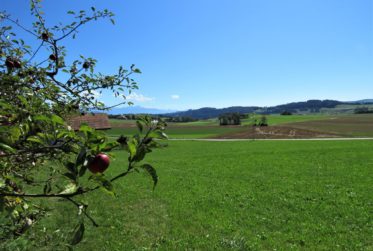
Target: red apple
point(45, 36)
point(9, 62)
point(17, 64)
point(52, 57)
point(99, 163)
point(86, 65)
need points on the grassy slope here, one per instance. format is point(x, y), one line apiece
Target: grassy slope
point(240, 195)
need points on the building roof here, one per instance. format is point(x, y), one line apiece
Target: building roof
point(96, 121)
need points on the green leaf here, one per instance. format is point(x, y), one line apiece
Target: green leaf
point(158, 135)
point(112, 21)
point(85, 128)
point(152, 172)
point(58, 120)
point(4, 105)
point(132, 144)
point(69, 188)
point(109, 146)
point(71, 167)
point(15, 133)
point(78, 235)
point(47, 187)
point(2, 183)
point(70, 176)
point(140, 154)
point(42, 118)
point(139, 125)
point(108, 187)
point(7, 148)
point(103, 182)
point(82, 170)
point(81, 157)
point(35, 139)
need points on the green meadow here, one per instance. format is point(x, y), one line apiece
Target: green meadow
point(247, 195)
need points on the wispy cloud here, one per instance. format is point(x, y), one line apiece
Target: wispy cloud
point(138, 97)
point(175, 96)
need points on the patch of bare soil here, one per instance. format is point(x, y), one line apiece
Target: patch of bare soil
point(276, 132)
point(127, 125)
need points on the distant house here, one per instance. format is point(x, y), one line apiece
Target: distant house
point(122, 117)
point(98, 121)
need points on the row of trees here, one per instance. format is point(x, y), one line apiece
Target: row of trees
point(176, 119)
point(261, 122)
point(180, 119)
point(362, 110)
point(235, 119)
point(230, 119)
point(131, 116)
point(286, 113)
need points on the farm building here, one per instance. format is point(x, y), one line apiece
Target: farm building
point(98, 121)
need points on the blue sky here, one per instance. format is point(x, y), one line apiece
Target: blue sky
point(219, 53)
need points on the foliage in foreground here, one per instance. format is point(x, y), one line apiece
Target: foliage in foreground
point(41, 157)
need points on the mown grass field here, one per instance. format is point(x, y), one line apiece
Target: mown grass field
point(251, 195)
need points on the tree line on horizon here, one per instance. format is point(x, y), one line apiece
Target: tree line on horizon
point(312, 106)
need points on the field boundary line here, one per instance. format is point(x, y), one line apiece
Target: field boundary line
point(307, 139)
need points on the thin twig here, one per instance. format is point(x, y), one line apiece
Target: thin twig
point(66, 195)
point(21, 26)
point(71, 31)
point(84, 211)
point(38, 15)
point(37, 150)
point(33, 55)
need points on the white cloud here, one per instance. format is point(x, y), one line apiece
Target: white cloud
point(138, 97)
point(93, 93)
point(175, 96)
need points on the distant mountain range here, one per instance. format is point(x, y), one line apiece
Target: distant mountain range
point(310, 106)
point(362, 101)
point(210, 112)
point(138, 110)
